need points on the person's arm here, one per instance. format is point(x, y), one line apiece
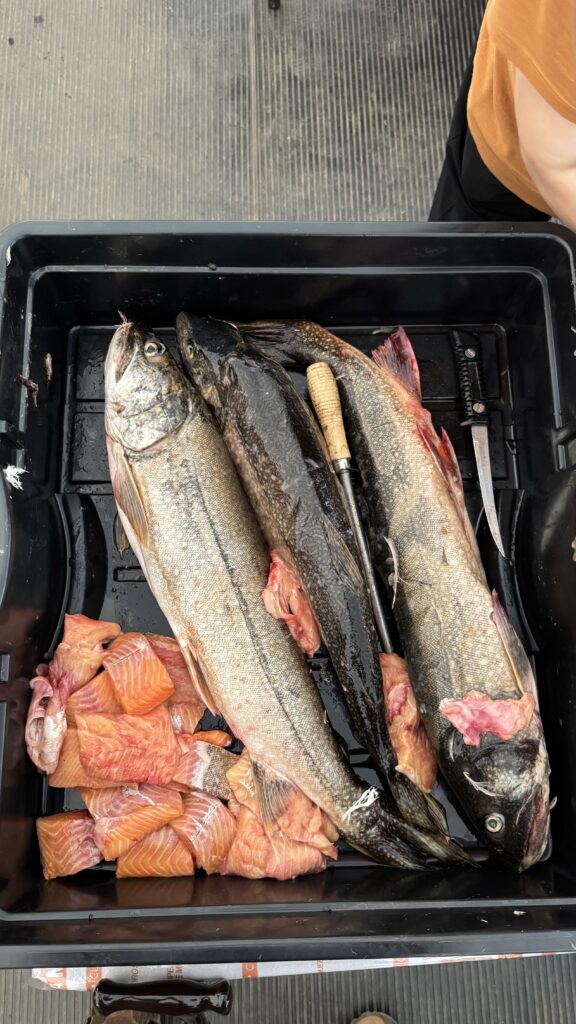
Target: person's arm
point(548, 147)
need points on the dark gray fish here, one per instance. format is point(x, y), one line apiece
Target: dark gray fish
point(471, 675)
point(281, 458)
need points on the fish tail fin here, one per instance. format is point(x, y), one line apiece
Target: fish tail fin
point(376, 830)
point(377, 833)
point(426, 819)
point(381, 833)
point(290, 342)
point(440, 846)
point(419, 808)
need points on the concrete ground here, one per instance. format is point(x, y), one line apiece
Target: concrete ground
point(223, 109)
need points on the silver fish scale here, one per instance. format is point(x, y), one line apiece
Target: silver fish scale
point(207, 564)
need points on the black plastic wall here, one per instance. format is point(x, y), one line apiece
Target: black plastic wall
point(61, 287)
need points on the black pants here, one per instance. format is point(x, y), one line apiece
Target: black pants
point(466, 189)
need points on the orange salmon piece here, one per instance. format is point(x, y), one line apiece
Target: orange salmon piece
point(185, 715)
point(138, 676)
point(217, 737)
point(255, 854)
point(159, 855)
point(129, 748)
point(95, 698)
point(168, 650)
point(70, 773)
point(79, 656)
point(81, 631)
point(124, 816)
point(67, 843)
point(207, 827)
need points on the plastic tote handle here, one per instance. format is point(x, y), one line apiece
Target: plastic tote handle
point(184, 999)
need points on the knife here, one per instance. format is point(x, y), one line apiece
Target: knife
point(473, 395)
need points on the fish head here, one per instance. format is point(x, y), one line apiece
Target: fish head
point(208, 351)
point(503, 786)
point(226, 376)
point(147, 397)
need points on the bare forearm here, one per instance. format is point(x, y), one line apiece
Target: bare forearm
point(548, 147)
point(558, 188)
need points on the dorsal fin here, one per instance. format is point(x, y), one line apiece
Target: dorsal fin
point(445, 459)
point(397, 356)
point(519, 660)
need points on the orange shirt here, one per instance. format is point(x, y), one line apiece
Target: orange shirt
point(539, 38)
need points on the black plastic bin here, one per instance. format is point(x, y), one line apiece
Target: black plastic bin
point(61, 288)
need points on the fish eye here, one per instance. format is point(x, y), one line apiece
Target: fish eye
point(154, 348)
point(494, 823)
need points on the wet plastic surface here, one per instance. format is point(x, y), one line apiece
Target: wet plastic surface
point(511, 292)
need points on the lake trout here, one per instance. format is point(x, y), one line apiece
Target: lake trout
point(189, 523)
point(281, 458)
point(472, 678)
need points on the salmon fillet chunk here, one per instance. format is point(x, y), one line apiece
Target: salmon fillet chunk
point(129, 748)
point(204, 765)
point(67, 843)
point(70, 772)
point(159, 855)
point(95, 698)
point(255, 854)
point(207, 828)
point(124, 816)
point(138, 676)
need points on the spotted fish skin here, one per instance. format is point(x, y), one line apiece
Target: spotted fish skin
point(456, 637)
point(192, 529)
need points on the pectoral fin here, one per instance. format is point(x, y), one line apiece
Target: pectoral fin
point(120, 539)
point(198, 675)
point(127, 494)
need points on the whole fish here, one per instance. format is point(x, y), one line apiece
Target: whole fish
point(193, 531)
point(472, 678)
point(281, 458)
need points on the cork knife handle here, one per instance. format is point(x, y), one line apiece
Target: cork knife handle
point(326, 401)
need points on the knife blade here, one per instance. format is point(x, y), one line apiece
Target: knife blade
point(473, 395)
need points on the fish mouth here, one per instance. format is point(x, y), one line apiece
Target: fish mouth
point(122, 349)
point(535, 815)
point(539, 830)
